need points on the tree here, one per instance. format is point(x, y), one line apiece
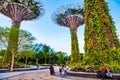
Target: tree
point(100, 35)
point(25, 39)
point(38, 56)
point(54, 58)
point(4, 37)
point(46, 52)
point(18, 11)
point(2, 53)
point(61, 57)
point(26, 55)
point(71, 17)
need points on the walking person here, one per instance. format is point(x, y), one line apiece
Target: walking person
point(51, 70)
point(60, 69)
point(63, 73)
point(38, 66)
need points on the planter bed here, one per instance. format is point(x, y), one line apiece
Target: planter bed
point(116, 76)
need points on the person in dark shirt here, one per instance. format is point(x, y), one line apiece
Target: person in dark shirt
point(51, 70)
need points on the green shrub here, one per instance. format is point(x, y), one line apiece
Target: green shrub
point(93, 68)
point(45, 64)
point(31, 63)
point(114, 66)
point(109, 58)
point(18, 64)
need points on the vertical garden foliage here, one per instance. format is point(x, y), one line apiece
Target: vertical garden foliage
point(12, 48)
point(100, 35)
point(75, 54)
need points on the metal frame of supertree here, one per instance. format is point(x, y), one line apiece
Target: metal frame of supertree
point(17, 11)
point(68, 19)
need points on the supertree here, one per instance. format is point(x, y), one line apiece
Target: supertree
point(17, 11)
point(70, 16)
point(100, 35)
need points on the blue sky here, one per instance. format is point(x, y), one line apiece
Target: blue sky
point(58, 37)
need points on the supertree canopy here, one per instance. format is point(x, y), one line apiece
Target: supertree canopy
point(18, 10)
point(70, 16)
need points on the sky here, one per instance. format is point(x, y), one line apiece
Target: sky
point(58, 37)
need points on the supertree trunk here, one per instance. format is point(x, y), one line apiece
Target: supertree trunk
point(72, 23)
point(75, 54)
point(100, 32)
point(13, 42)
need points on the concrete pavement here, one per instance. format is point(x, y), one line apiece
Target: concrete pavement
point(10, 74)
point(42, 74)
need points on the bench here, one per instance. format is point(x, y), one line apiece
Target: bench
point(116, 76)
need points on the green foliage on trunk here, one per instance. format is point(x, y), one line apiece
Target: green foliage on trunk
point(12, 48)
point(13, 39)
point(100, 35)
point(75, 54)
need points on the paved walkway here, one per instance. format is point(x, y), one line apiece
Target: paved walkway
point(38, 75)
point(11, 74)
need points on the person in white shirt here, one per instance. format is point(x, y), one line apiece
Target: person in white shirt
point(63, 73)
point(109, 74)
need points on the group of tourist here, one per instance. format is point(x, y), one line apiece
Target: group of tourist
point(105, 73)
point(62, 70)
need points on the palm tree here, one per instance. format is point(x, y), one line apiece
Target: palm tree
point(71, 17)
point(18, 10)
